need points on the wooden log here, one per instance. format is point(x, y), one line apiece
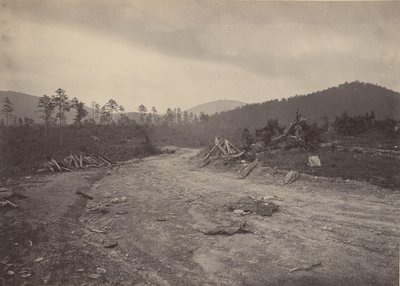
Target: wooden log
point(56, 164)
point(234, 147)
point(234, 156)
point(80, 161)
point(74, 161)
point(228, 148)
point(108, 159)
point(66, 169)
point(211, 152)
point(105, 161)
point(246, 171)
point(222, 150)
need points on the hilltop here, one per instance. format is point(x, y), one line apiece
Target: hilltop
point(216, 106)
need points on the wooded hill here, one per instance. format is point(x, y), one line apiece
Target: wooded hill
point(356, 98)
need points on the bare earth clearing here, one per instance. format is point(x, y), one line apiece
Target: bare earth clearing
point(351, 229)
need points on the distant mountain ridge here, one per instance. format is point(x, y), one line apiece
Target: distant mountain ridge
point(25, 105)
point(216, 106)
point(356, 98)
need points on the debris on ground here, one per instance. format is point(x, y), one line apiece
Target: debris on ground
point(291, 177)
point(246, 171)
point(314, 161)
point(101, 270)
point(328, 228)
point(72, 162)
point(115, 200)
point(231, 229)
point(7, 202)
point(258, 207)
point(38, 259)
point(305, 268)
point(111, 244)
point(94, 276)
point(269, 198)
point(242, 212)
point(96, 230)
point(85, 195)
point(124, 199)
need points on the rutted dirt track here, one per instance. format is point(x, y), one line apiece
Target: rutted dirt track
point(351, 229)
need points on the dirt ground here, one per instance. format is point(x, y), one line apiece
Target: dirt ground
point(348, 230)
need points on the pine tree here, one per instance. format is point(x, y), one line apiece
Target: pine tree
point(60, 100)
point(7, 109)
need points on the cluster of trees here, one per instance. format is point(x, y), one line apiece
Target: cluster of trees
point(171, 116)
point(357, 124)
point(10, 119)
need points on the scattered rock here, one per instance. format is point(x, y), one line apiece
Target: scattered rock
point(111, 244)
point(115, 200)
point(38, 259)
point(269, 198)
point(305, 268)
point(5, 194)
point(113, 253)
point(229, 230)
point(291, 177)
point(328, 228)
point(10, 272)
point(83, 194)
point(243, 161)
point(314, 161)
point(242, 212)
point(80, 270)
point(265, 209)
point(107, 195)
point(94, 276)
point(108, 172)
point(124, 199)
point(100, 270)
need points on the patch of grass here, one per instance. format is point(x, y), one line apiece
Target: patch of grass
point(24, 149)
point(379, 170)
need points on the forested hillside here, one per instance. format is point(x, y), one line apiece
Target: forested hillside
point(356, 98)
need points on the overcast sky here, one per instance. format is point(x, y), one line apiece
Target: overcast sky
point(183, 53)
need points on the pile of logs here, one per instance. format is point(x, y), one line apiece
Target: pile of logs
point(76, 162)
point(223, 148)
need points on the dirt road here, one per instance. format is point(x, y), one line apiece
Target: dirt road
point(348, 231)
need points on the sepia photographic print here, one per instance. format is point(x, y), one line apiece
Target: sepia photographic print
point(199, 142)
